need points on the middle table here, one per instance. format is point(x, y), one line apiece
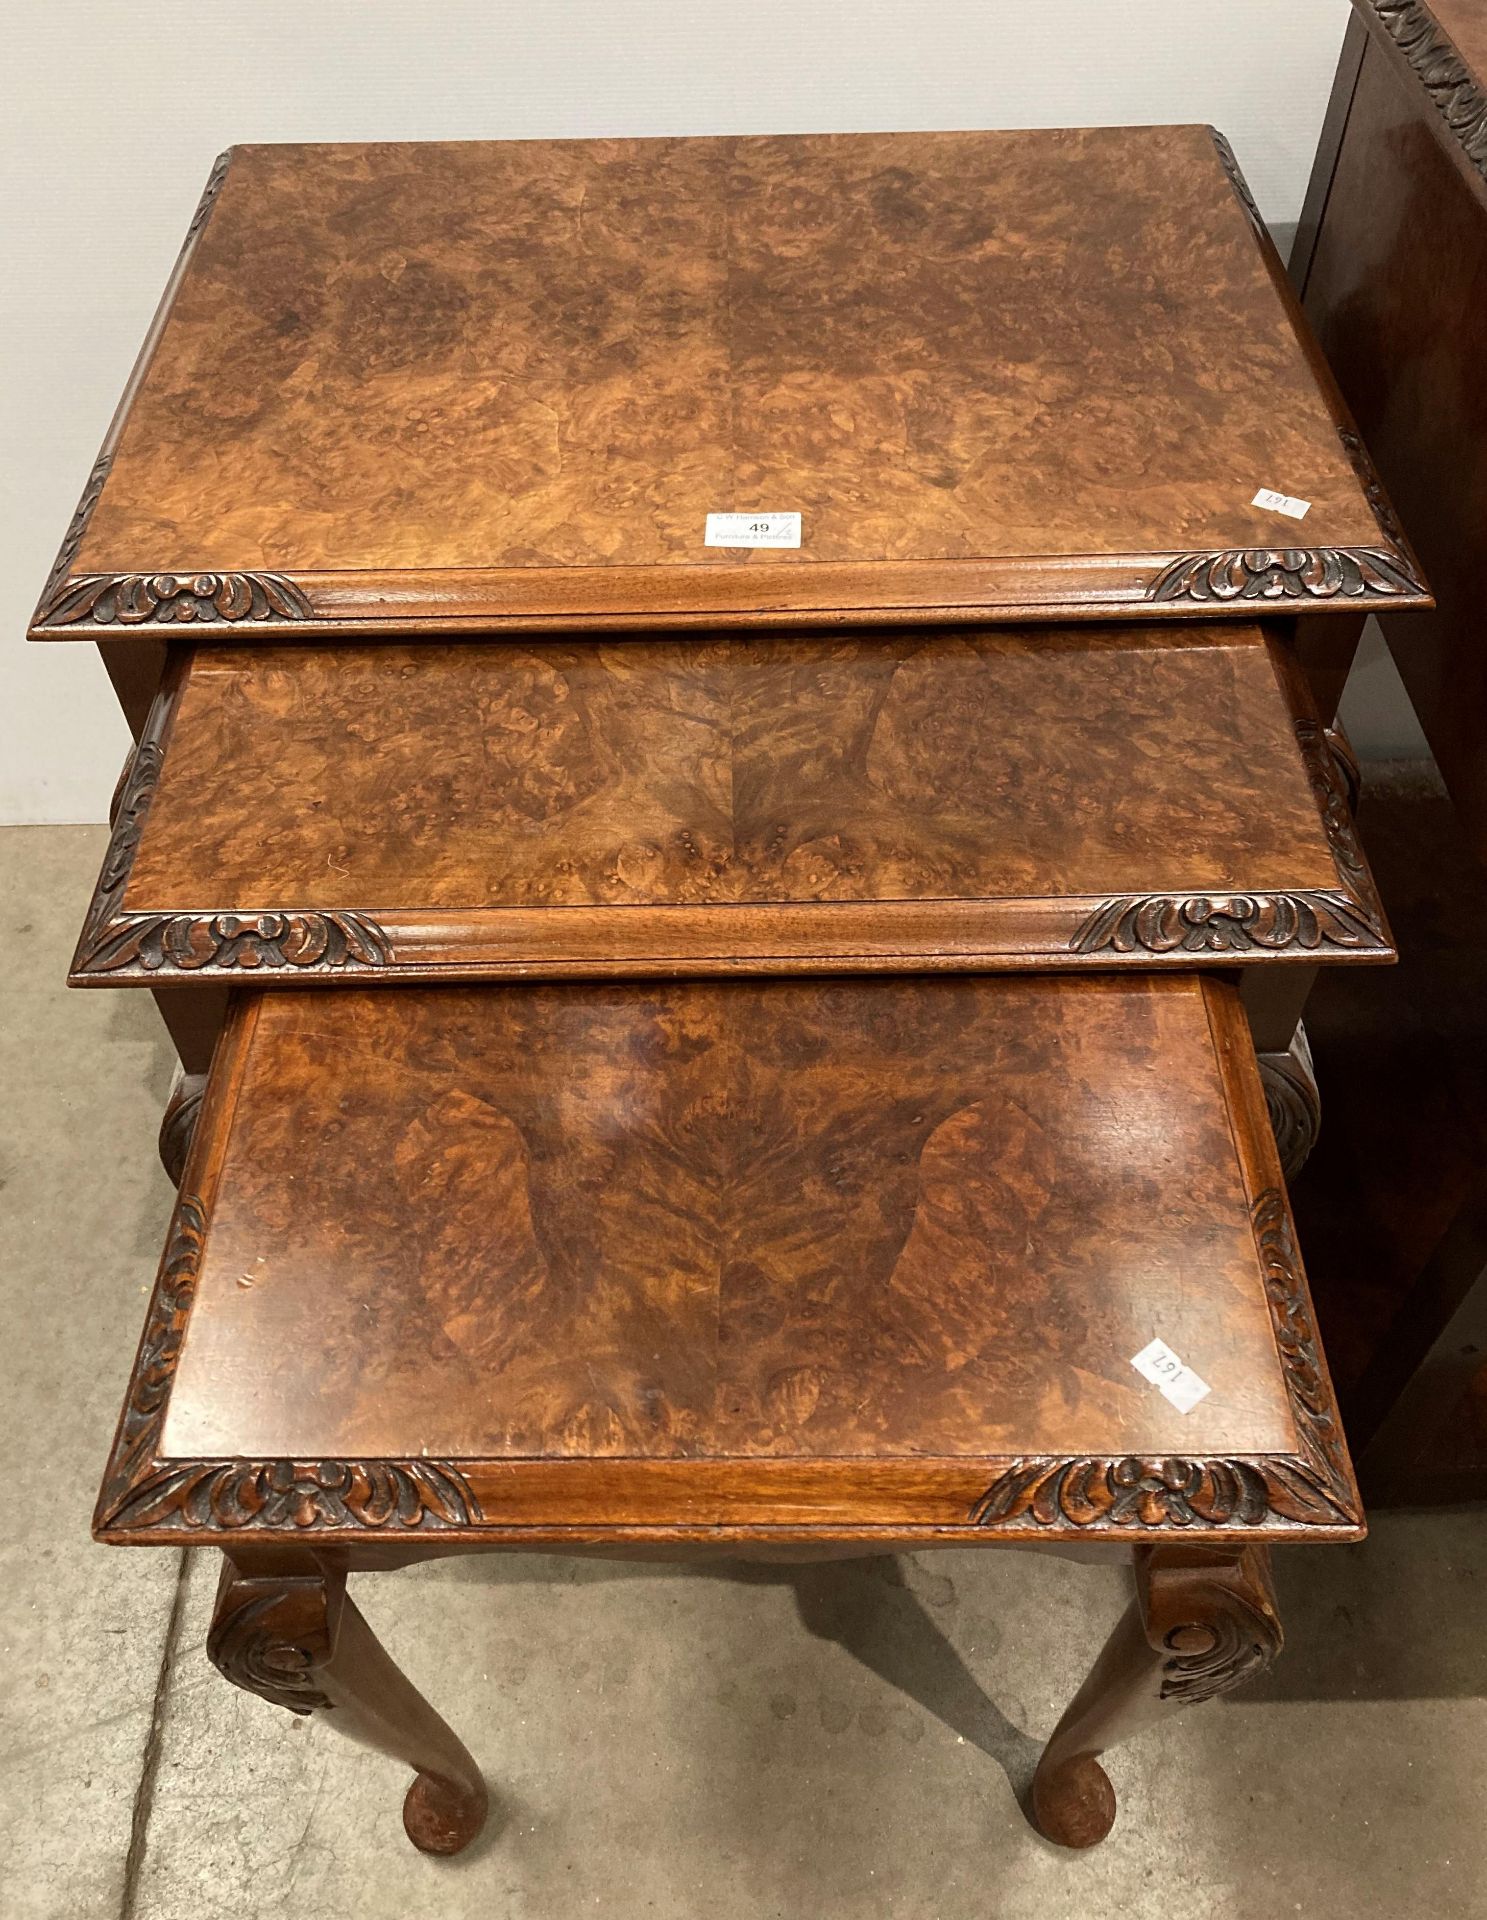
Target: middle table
point(984, 798)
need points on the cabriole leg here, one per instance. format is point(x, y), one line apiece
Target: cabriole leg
point(297, 1641)
point(1200, 1624)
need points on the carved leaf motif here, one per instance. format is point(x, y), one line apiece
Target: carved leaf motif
point(1442, 72)
point(160, 1349)
point(1309, 1489)
point(1285, 573)
point(239, 1496)
point(1234, 1642)
point(1226, 923)
point(1300, 1352)
point(208, 197)
point(1373, 489)
point(1332, 800)
point(77, 527)
point(112, 599)
point(270, 1643)
point(1127, 1492)
point(241, 942)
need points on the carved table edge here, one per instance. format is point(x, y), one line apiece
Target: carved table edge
point(311, 604)
point(1131, 1497)
point(58, 579)
point(1371, 575)
point(474, 943)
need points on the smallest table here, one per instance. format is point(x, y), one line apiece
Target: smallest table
point(792, 1268)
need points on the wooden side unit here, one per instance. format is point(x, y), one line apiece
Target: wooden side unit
point(1394, 280)
point(907, 799)
point(998, 375)
point(1392, 266)
point(730, 1261)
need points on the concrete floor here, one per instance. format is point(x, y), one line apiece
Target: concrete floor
point(839, 1741)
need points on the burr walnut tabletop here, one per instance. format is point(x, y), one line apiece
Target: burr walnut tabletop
point(440, 386)
point(813, 1260)
point(909, 799)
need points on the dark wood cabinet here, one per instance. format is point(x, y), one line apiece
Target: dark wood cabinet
point(1391, 264)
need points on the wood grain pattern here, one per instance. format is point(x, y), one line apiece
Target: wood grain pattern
point(1035, 372)
point(986, 798)
point(809, 1256)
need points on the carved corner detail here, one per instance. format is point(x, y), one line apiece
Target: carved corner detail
point(234, 1496)
point(1322, 1459)
point(58, 587)
point(1326, 779)
point(192, 942)
point(137, 599)
point(244, 1496)
point(1348, 918)
point(1228, 923)
point(1441, 71)
point(268, 942)
point(1287, 573)
point(1308, 1488)
point(1379, 504)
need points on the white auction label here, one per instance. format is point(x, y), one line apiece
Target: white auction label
point(752, 530)
point(1175, 1382)
point(1282, 503)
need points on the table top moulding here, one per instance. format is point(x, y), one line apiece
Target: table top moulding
point(871, 1261)
point(861, 801)
point(936, 348)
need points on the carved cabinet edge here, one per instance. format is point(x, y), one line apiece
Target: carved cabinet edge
point(1454, 92)
point(136, 1442)
point(1240, 185)
point(1345, 760)
point(208, 199)
point(73, 538)
point(1333, 776)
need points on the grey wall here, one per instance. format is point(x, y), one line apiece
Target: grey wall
point(116, 110)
